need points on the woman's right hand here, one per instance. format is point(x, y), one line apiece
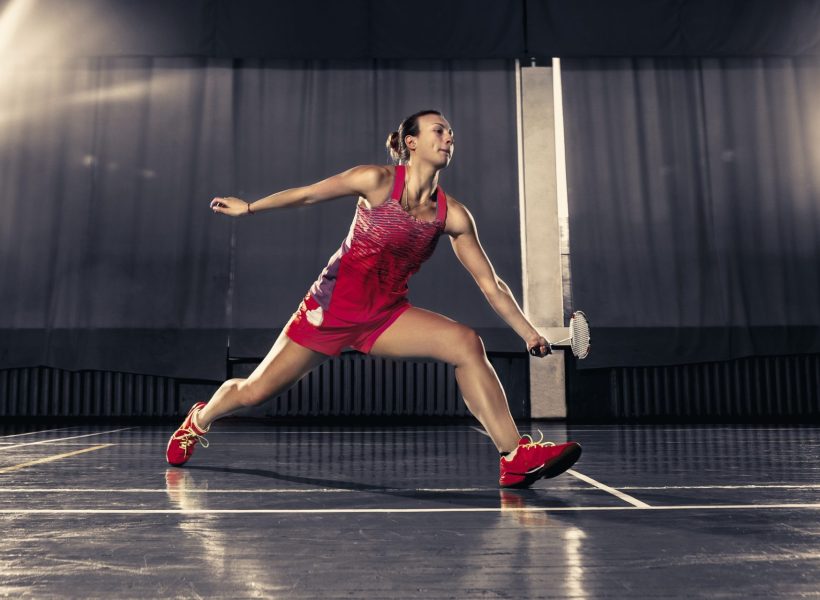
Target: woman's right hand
point(233, 207)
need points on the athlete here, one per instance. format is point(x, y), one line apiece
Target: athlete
point(360, 298)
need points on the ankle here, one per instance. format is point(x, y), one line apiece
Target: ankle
point(509, 455)
point(198, 424)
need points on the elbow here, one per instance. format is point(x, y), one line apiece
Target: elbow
point(304, 196)
point(493, 290)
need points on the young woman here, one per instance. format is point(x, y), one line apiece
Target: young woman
point(360, 298)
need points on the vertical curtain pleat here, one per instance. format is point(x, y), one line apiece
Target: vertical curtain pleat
point(109, 256)
point(694, 206)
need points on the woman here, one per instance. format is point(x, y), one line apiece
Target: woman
point(360, 299)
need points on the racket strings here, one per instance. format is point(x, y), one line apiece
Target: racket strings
point(579, 335)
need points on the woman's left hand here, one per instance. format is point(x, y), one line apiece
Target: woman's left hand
point(235, 207)
point(538, 345)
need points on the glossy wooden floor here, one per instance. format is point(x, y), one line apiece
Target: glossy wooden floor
point(319, 512)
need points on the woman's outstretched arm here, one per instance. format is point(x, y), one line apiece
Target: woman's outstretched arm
point(464, 237)
point(358, 181)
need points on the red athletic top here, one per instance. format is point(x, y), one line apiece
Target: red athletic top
point(368, 274)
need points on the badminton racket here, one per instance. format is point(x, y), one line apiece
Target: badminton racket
point(579, 338)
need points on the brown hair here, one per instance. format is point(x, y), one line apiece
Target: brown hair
point(398, 150)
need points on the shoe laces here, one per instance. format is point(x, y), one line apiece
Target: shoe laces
point(188, 438)
point(532, 443)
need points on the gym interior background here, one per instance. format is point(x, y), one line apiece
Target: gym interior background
point(653, 164)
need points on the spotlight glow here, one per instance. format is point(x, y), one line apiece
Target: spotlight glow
point(11, 21)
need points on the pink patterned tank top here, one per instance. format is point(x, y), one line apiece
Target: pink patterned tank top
point(368, 274)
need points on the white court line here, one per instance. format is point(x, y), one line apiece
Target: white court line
point(335, 431)
point(750, 486)
point(33, 432)
point(481, 431)
point(23, 490)
point(606, 488)
point(666, 429)
point(47, 459)
point(262, 443)
point(56, 490)
point(73, 437)
point(325, 511)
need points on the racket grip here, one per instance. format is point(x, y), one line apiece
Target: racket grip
point(534, 351)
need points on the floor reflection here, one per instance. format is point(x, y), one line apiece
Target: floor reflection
point(246, 574)
point(574, 551)
point(536, 531)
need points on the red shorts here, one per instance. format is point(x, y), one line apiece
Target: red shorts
point(314, 328)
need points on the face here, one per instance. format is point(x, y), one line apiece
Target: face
point(435, 142)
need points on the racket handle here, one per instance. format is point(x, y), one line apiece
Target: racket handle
point(535, 352)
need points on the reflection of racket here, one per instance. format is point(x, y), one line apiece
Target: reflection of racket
point(579, 338)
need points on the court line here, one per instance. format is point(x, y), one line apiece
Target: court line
point(51, 458)
point(666, 429)
point(549, 425)
point(625, 497)
point(335, 431)
point(262, 443)
point(24, 490)
point(750, 486)
point(73, 437)
point(3, 437)
point(579, 488)
point(324, 511)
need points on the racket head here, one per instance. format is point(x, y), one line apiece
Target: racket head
point(579, 336)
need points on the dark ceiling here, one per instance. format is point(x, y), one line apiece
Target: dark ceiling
point(362, 29)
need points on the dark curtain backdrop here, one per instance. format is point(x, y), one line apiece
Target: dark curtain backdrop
point(109, 256)
point(694, 198)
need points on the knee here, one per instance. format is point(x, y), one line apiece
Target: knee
point(469, 346)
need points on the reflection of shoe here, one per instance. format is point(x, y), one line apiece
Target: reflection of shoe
point(183, 491)
point(534, 460)
point(515, 502)
point(176, 482)
point(182, 443)
point(512, 499)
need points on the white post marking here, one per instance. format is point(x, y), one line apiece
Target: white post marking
point(522, 204)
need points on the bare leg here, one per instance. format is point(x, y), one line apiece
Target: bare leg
point(422, 333)
point(286, 363)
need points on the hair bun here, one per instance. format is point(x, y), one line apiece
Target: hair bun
point(392, 145)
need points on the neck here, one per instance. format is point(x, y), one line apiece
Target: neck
point(421, 181)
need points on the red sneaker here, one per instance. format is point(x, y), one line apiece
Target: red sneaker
point(181, 445)
point(534, 460)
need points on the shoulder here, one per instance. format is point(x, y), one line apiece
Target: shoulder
point(370, 177)
point(459, 218)
point(374, 183)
